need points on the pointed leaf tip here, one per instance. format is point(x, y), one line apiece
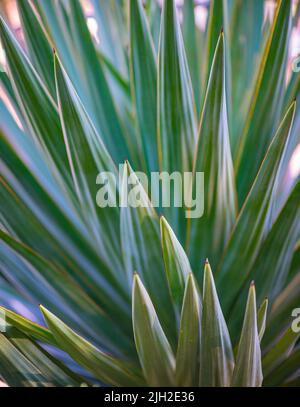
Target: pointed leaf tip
point(176, 262)
point(216, 353)
point(248, 369)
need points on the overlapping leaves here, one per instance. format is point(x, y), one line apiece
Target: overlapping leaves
point(126, 95)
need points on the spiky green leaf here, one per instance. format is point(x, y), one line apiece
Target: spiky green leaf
point(155, 353)
point(187, 356)
point(248, 370)
point(216, 355)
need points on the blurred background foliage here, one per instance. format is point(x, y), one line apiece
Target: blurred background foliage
point(111, 282)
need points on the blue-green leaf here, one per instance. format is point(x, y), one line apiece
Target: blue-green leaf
point(155, 354)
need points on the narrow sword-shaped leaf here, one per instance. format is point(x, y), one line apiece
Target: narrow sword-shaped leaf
point(144, 81)
point(245, 43)
point(104, 113)
point(105, 367)
point(176, 110)
point(189, 32)
point(155, 354)
point(96, 326)
point(67, 26)
point(43, 122)
point(213, 157)
point(266, 105)
point(283, 189)
point(88, 157)
point(216, 355)
point(38, 45)
point(28, 365)
point(28, 203)
point(15, 369)
point(274, 259)
point(187, 357)
point(250, 227)
point(25, 364)
point(139, 226)
point(45, 281)
point(176, 262)
point(215, 25)
point(30, 328)
point(53, 371)
point(177, 120)
point(270, 269)
point(248, 371)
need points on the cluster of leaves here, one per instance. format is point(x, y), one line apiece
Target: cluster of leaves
point(167, 97)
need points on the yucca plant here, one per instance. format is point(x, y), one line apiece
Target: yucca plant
point(128, 297)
